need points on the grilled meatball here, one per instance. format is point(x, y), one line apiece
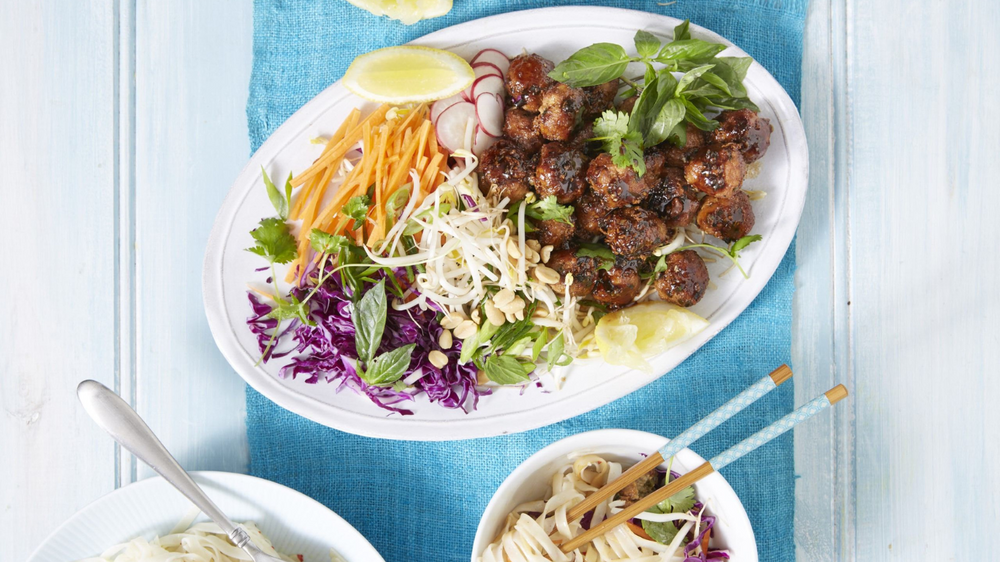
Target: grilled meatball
point(642, 487)
point(581, 140)
point(554, 232)
point(615, 186)
point(583, 269)
point(634, 231)
point(673, 200)
point(716, 169)
point(507, 169)
point(600, 98)
point(745, 128)
point(527, 76)
point(589, 213)
point(678, 156)
point(619, 285)
point(627, 104)
point(726, 218)
point(519, 126)
point(685, 279)
point(559, 111)
point(562, 172)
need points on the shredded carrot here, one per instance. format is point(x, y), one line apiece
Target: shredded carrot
point(639, 531)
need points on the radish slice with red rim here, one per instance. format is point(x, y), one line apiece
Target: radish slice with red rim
point(452, 124)
point(489, 84)
point(486, 69)
point(439, 106)
point(482, 142)
point(489, 110)
point(494, 57)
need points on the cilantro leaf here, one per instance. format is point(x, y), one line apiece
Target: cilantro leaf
point(599, 251)
point(286, 310)
point(611, 124)
point(389, 367)
point(504, 369)
point(547, 209)
point(681, 502)
point(628, 153)
point(356, 209)
point(662, 533)
point(274, 241)
point(277, 200)
point(325, 243)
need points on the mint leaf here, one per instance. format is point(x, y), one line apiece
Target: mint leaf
point(274, 241)
point(369, 321)
point(389, 367)
point(279, 202)
point(646, 44)
point(356, 208)
point(504, 369)
point(327, 243)
point(591, 66)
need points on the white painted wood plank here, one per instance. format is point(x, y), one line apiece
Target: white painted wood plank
point(192, 72)
point(57, 153)
point(925, 310)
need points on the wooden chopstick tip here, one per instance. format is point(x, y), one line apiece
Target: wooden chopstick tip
point(836, 394)
point(781, 374)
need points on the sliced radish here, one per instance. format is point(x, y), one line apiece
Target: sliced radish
point(494, 57)
point(482, 142)
point(489, 84)
point(452, 123)
point(489, 110)
point(438, 107)
point(486, 69)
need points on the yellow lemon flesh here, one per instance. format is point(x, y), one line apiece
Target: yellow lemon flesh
point(407, 11)
point(408, 74)
point(628, 336)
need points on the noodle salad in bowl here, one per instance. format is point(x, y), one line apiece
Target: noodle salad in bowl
point(526, 519)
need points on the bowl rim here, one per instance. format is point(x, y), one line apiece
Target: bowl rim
point(723, 493)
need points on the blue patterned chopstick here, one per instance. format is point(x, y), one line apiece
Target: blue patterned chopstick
point(726, 411)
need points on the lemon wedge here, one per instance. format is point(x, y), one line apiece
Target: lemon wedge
point(407, 11)
point(408, 74)
point(628, 336)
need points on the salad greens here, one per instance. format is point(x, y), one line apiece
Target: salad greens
point(666, 103)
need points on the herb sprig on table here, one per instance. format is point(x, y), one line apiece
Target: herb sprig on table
point(691, 80)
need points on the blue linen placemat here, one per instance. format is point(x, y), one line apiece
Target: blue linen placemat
point(422, 501)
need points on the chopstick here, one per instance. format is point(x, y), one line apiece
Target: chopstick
point(690, 435)
point(763, 436)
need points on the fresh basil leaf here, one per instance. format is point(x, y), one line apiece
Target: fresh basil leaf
point(694, 116)
point(723, 102)
point(277, 201)
point(679, 135)
point(540, 340)
point(690, 76)
point(688, 49)
point(591, 66)
point(274, 241)
point(555, 351)
point(719, 83)
point(650, 74)
point(389, 367)
point(325, 243)
point(649, 105)
point(743, 243)
point(646, 44)
point(504, 369)
point(733, 82)
point(681, 32)
point(599, 251)
point(739, 65)
point(472, 347)
point(369, 321)
point(671, 114)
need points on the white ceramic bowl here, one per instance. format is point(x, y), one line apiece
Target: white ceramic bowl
point(295, 523)
point(530, 481)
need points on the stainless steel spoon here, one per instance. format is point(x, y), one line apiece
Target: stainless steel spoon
point(126, 427)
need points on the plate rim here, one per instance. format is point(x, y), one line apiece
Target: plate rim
point(414, 428)
point(221, 476)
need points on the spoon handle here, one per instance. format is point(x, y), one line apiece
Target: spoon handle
point(126, 427)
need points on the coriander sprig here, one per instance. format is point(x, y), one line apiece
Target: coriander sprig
point(732, 253)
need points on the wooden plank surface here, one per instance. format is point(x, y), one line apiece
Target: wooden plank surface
point(57, 152)
point(896, 279)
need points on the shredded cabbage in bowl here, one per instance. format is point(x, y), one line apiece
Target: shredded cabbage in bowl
point(201, 542)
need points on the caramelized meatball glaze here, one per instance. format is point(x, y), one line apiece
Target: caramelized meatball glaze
point(726, 218)
point(556, 233)
point(685, 279)
point(619, 285)
point(559, 112)
point(673, 200)
point(617, 187)
point(716, 169)
point(589, 213)
point(751, 132)
point(634, 232)
point(519, 126)
point(527, 76)
point(507, 170)
point(678, 156)
point(599, 98)
point(562, 172)
point(583, 269)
